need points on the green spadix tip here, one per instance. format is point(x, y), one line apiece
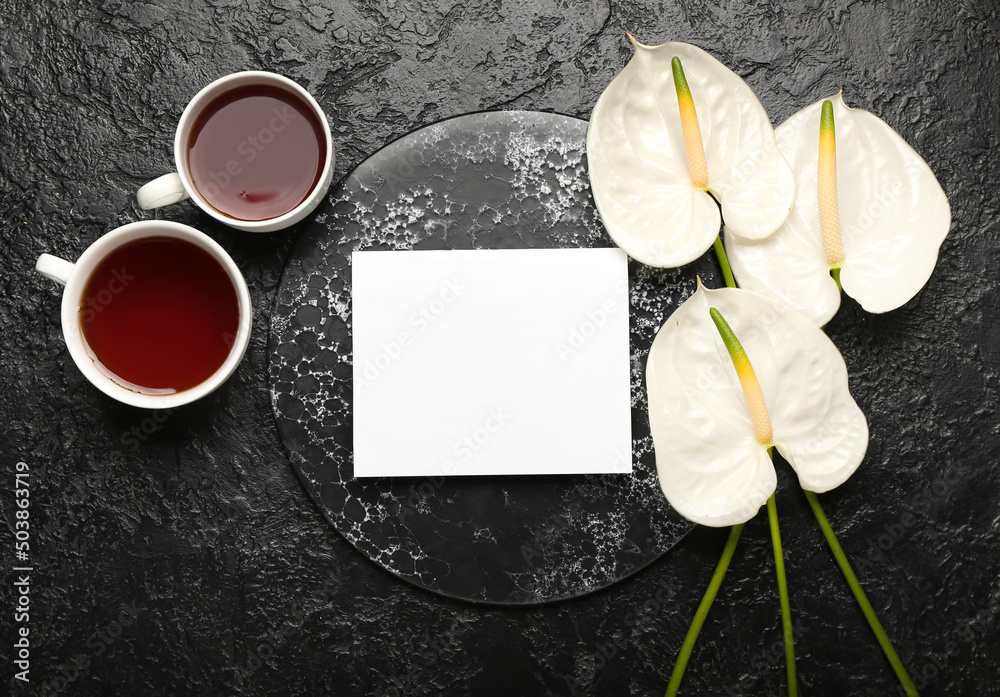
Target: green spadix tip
point(680, 80)
point(733, 345)
point(826, 118)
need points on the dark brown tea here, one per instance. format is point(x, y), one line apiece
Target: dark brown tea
point(256, 152)
point(160, 314)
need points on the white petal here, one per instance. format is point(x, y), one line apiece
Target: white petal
point(894, 217)
point(894, 229)
point(638, 165)
point(712, 468)
point(789, 266)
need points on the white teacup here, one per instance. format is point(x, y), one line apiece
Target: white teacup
point(75, 277)
point(179, 185)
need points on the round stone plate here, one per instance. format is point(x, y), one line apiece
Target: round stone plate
point(495, 180)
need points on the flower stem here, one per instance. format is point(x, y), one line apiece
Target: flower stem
point(727, 271)
point(836, 276)
point(786, 611)
point(859, 595)
point(702, 613)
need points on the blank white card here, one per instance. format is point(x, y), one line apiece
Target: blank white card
point(487, 362)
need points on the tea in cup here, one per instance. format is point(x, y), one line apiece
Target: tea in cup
point(253, 150)
point(155, 314)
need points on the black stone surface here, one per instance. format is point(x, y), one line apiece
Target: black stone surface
point(179, 554)
point(495, 180)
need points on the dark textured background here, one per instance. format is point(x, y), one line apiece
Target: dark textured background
point(194, 563)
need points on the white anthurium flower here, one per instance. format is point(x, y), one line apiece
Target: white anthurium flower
point(673, 132)
point(867, 209)
point(721, 394)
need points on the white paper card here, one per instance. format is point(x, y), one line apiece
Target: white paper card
point(486, 362)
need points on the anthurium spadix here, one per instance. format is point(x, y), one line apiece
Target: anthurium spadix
point(867, 207)
point(675, 128)
point(715, 409)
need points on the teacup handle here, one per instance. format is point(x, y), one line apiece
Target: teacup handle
point(162, 191)
point(55, 268)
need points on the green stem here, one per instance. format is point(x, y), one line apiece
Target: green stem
point(836, 276)
point(786, 611)
point(859, 595)
point(727, 271)
point(702, 613)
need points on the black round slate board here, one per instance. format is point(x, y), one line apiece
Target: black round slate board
point(480, 181)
